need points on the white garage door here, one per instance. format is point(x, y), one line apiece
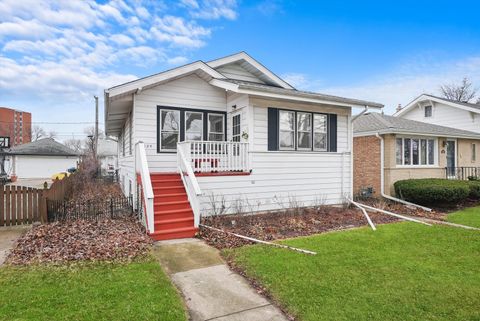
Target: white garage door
point(42, 166)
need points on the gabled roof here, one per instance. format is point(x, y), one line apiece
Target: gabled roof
point(42, 147)
point(427, 97)
point(253, 66)
point(239, 85)
point(372, 123)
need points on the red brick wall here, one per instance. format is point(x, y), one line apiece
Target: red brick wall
point(366, 164)
point(17, 125)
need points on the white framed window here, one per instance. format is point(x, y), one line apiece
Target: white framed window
point(304, 131)
point(193, 125)
point(427, 111)
point(474, 152)
point(216, 127)
point(415, 151)
point(130, 136)
point(319, 132)
point(287, 130)
point(169, 129)
point(236, 126)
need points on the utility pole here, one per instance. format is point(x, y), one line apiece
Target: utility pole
point(95, 149)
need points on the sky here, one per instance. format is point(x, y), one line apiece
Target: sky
point(56, 55)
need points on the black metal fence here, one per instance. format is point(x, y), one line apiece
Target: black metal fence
point(115, 207)
point(462, 173)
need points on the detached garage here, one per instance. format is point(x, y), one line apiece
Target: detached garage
point(39, 159)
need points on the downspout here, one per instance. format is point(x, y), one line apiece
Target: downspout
point(360, 114)
point(382, 178)
point(350, 121)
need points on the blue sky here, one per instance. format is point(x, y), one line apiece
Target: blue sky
point(55, 55)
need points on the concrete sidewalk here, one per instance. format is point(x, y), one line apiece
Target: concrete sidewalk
point(8, 236)
point(212, 291)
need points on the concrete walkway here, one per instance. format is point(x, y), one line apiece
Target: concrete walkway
point(8, 236)
point(212, 291)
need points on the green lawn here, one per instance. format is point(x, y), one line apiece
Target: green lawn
point(469, 216)
point(134, 291)
point(403, 271)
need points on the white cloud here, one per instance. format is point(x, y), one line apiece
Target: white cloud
point(212, 9)
point(179, 60)
point(122, 40)
point(177, 31)
point(300, 81)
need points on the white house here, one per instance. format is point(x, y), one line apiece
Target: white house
point(443, 112)
point(39, 159)
point(107, 154)
point(202, 138)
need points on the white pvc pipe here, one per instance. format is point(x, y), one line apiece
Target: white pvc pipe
point(364, 213)
point(382, 179)
point(260, 241)
point(407, 218)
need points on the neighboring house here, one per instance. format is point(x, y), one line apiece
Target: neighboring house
point(107, 153)
point(411, 149)
point(39, 159)
point(443, 112)
point(243, 138)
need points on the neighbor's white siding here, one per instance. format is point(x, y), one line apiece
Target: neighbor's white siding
point(235, 71)
point(445, 115)
point(187, 92)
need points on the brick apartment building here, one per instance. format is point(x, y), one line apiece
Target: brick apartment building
point(16, 125)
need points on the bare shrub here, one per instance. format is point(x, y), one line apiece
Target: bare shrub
point(218, 204)
point(319, 203)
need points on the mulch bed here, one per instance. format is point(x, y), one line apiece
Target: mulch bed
point(282, 225)
point(279, 225)
point(60, 242)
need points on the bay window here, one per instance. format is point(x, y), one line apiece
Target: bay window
point(415, 151)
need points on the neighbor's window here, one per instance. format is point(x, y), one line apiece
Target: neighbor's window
point(428, 111)
point(169, 129)
point(130, 136)
point(287, 129)
point(474, 152)
point(319, 132)
point(216, 127)
point(236, 128)
point(193, 125)
point(415, 151)
point(304, 131)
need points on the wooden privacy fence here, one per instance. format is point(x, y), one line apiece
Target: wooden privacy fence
point(21, 205)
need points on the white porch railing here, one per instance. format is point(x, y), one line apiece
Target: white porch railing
point(212, 156)
point(142, 171)
point(190, 182)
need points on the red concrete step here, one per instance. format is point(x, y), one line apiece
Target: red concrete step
point(171, 197)
point(175, 233)
point(167, 183)
point(165, 175)
point(173, 214)
point(168, 189)
point(162, 225)
point(166, 206)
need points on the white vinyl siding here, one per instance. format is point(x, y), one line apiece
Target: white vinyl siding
point(189, 92)
point(445, 115)
point(281, 176)
point(235, 71)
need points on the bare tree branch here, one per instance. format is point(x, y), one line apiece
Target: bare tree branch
point(38, 133)
point(463, 92)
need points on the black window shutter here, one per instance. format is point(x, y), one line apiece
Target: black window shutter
point(272, 129)
point(332, 132)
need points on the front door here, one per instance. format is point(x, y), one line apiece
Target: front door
point(451, 158)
